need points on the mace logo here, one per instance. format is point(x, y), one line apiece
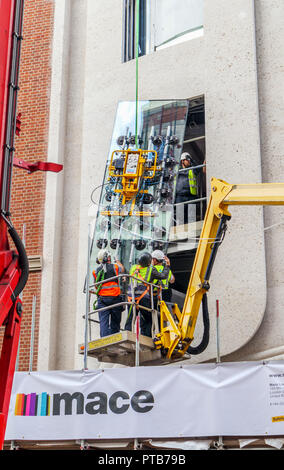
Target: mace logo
point(119, 402)
point(32, 404)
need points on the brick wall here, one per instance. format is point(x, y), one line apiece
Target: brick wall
point(28, 190)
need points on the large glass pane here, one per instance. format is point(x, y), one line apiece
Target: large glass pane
point(127, 227)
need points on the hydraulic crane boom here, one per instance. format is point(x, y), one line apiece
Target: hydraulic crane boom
point(13, 268)
point(175, 337)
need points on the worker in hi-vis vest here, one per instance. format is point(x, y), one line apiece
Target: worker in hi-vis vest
point(143, 271)
point(108, 293)
point(160, 261)
point(186, 187)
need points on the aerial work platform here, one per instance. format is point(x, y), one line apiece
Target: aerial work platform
point(121, 348)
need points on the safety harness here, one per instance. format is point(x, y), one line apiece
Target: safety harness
point(100, 276)
point(163, 282)
point(147, 277)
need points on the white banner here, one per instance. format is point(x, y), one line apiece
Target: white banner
point(239, 399)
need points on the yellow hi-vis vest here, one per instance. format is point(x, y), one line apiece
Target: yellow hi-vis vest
point(163, 282)
point(192, 182)
point(141, 273)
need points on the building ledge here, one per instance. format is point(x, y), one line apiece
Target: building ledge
point(35, 263)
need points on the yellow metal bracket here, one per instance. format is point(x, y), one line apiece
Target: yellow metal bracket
point(135, 165)
point(219, 191)
point(169, 335)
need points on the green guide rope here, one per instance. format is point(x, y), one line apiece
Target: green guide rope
point(137, 55)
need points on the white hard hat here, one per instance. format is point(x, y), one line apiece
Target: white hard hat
point(103, 255)
point(158, 254)
point(185, 156)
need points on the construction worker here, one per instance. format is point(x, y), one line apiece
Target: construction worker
point(144, 271)
point(187, 181)
point(108, 293)
point(160, 261)
point(186, 188)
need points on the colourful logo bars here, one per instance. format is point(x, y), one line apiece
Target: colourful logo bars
point(32, 404)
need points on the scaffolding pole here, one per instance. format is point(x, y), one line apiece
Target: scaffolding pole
point(87, 301)
point(32, 334)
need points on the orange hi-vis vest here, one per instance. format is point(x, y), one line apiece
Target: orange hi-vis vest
point(111, 288)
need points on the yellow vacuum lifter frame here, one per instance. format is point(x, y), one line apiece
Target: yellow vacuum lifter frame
point(177, 337)
point(130, 181)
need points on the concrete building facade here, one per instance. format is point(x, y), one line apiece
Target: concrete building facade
point(236, 65)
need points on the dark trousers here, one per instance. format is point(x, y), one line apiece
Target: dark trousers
point(145, 317)
point(181, 212)
point(167, 295)
point(110, 318)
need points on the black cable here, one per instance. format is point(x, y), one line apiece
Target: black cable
point(194, 350)
point(23, 263)
point(23, 259)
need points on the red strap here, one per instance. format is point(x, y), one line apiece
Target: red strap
point(139, 275)
point(137, 299)
point(42, 166)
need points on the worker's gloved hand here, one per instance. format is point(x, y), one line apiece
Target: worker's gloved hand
point(167, 261)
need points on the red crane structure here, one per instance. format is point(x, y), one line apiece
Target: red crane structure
point(14, 266)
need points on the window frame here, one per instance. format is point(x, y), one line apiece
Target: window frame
point(148, 30)
point(129, 30)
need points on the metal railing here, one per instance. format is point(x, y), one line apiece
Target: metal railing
point(127, 276)
point(190, 201)
point(196, 167)
point(201, 202)
point(128, 303)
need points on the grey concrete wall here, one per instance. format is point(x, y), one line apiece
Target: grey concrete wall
point(269, 339)
point(222, 66)
point(61, 286)
point(238, 279)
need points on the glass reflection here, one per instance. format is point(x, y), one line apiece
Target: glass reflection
point(143, 222)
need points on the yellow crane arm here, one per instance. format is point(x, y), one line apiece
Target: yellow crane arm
point(177, 328)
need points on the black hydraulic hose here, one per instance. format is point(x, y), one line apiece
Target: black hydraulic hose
point(12, 106)
point(23, 262)
point(194, 350)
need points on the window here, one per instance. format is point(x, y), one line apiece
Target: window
point(189, 214)
point(162, 23)
point(176, 24)
point(129, 30)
